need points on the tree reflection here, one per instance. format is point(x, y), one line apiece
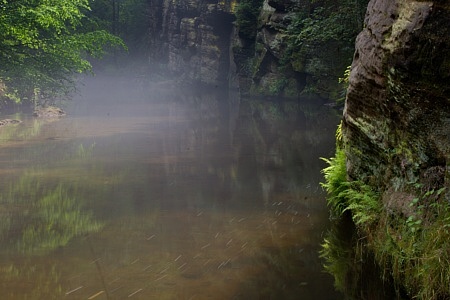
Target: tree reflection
point(46, 281)
point(38, 219)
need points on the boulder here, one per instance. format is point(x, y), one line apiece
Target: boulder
point(49, 112)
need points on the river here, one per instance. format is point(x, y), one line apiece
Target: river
point(157, 192)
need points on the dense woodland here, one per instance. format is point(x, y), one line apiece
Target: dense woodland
point(44, 44)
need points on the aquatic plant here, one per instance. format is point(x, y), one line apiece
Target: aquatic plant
point(85, 152)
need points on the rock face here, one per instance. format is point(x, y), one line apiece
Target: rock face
point(396, 138)
point(273, 77)
point(200, 42)
point(193, 39)
point(197, 41)
point(397, 114)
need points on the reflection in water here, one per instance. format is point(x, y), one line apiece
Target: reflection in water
point(353, 265)
point(179, 196)
point(36, 220)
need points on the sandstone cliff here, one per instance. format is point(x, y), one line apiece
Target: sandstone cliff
point(272, 74)
point(201, 42)
point(191, 39)
point(397, 110)
point(396, 140)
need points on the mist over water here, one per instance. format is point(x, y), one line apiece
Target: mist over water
point(159, 191)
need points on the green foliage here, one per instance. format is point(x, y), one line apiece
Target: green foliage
point(353, 196)
point(247, 13)
point(321, 40)
point(414, 249)
point(278, 86)
point(363, 202)
point(336, 182)
point(129, 19)
point(344, 82)
point(42, 46)
point(411, 247)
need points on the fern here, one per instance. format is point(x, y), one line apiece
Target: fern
point(363, 202)
point(335, 181)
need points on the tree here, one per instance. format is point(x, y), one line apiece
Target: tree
point(321, 40)
point(247, 13)
point(42, 45)
point(130, 20)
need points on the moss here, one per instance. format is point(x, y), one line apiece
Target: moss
point(412, 250)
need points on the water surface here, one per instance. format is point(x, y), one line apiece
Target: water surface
point(163, 193)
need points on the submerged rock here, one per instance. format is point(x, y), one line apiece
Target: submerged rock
point(49, 112)
point(9, 122)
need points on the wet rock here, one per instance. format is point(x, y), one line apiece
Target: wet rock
point(9, 122)
point(397, 112)
point(396, 136)
point(49, 112)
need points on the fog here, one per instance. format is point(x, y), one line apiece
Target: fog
point(170, 192)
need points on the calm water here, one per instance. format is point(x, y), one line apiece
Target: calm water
point(158, 193)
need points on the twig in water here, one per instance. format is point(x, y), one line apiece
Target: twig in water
point(95, 295)
point(74, 290)
point(134, 293)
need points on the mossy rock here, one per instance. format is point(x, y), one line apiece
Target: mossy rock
point(49, 112)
